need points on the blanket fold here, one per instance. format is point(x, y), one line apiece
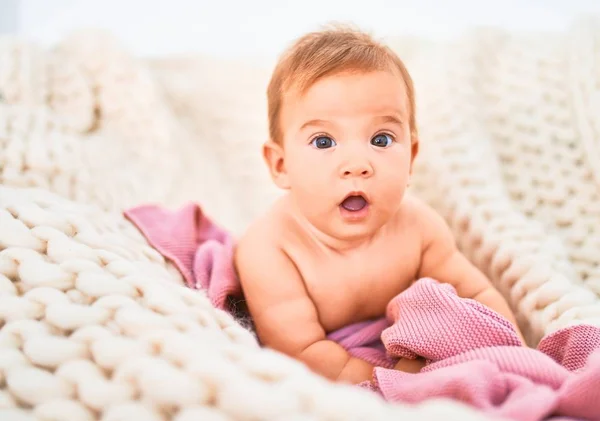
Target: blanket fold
point(473, 354)
point(199, 249)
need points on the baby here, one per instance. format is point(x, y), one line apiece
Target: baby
point(346, 238)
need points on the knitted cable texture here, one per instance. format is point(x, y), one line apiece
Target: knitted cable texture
point(510, 142)
point(96, 325)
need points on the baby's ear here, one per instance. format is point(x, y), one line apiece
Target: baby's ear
point(414, 152)
point(273, 156)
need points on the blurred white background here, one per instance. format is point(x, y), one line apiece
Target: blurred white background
point(264, 27)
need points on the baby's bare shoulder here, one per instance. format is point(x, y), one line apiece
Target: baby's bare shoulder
point(424, 220)
point(259, 238)
point(266, 229)
point(273, 288)
point(259, 252)
point(415, 209)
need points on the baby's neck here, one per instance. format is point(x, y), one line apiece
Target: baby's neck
point(340, 245)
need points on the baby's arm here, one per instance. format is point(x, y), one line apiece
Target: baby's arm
point(286, 318)
point(442, 261)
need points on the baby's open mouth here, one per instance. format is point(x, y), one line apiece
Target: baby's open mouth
point(354, 203)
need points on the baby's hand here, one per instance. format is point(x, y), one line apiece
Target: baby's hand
point(410, 366)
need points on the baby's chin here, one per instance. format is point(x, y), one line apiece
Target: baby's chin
point(353, 233)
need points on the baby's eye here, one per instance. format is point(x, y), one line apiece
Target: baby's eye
point(382, 140)
point(323, 142)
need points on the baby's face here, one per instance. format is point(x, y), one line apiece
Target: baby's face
point(347, 151)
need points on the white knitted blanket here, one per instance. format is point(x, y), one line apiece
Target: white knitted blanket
point(96, 325)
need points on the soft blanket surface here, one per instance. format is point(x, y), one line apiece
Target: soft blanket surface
point(473, 354)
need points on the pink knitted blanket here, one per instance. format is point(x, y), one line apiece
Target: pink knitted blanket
point(473, 354)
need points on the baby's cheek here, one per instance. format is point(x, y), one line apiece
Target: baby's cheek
point(394, 191)
point(310, 184)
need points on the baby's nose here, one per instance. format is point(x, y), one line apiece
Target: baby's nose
point(362, 169)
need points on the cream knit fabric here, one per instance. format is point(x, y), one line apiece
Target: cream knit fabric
point(96, 325)
point(511, 133)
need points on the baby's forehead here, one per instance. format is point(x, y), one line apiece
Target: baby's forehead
point(300, 85)
point(375, 91)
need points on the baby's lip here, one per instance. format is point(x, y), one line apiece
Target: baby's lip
point(356, 193)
